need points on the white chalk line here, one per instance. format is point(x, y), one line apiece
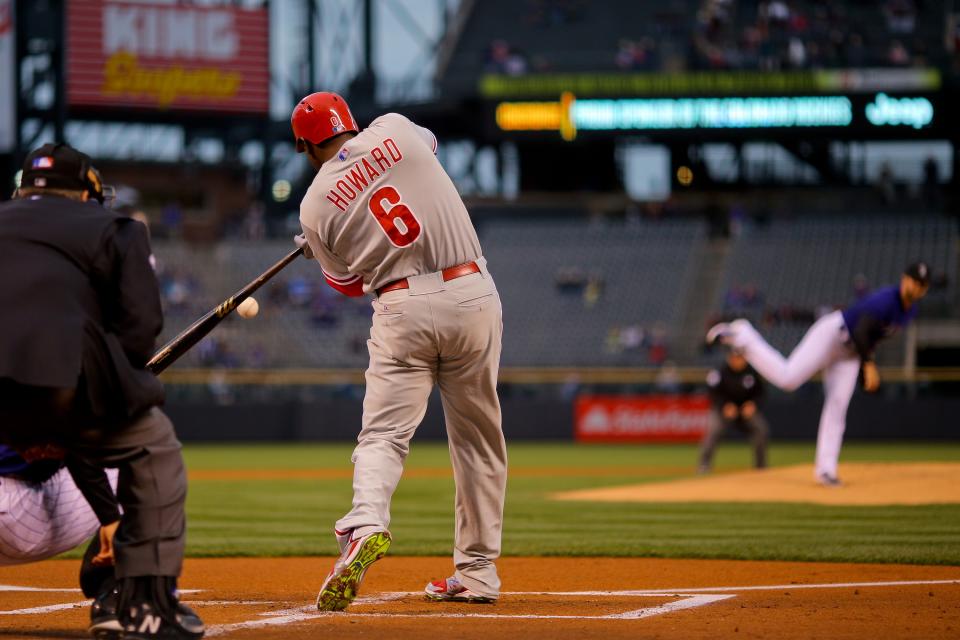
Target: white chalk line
point(13, 587)
point(773, 587)
point(74, 605)
point(47, 609)
point(693, 599)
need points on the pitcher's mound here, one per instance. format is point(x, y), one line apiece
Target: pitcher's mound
point(873, 483)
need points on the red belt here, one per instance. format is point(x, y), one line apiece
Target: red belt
point(450, 273)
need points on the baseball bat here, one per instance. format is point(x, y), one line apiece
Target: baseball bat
point(190, 336)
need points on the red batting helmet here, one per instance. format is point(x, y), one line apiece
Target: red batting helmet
point(319, 117)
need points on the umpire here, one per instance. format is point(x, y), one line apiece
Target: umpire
point(79, 316)
point(735, 389)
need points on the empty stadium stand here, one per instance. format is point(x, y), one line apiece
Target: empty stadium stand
point(577, 292)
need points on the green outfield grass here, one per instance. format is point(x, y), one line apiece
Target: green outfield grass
point(295, 516)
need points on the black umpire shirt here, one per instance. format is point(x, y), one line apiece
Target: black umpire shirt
point(79, 303)
point(738, 387)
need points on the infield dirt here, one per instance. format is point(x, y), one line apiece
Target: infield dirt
point(557, 598)
point(873, 483)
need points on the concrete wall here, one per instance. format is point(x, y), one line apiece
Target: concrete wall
point(792, 417)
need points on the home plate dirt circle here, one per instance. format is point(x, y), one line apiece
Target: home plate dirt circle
point(559, 598)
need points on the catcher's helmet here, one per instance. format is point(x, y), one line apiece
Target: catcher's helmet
point(319, 117)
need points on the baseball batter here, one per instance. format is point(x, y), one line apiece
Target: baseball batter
point(841, 344)
point(42, 511)
point(383, 218)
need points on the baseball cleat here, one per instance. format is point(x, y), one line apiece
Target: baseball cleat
point(340, 587)
point(149, 609)
point(450, 590)
point(718, 334)
point(827, 480)
point(104, 622)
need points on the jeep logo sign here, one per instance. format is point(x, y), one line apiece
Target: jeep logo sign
point(911, 112)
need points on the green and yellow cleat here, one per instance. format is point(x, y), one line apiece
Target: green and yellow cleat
point(341, 586)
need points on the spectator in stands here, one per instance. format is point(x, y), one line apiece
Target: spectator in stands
point(593, 290)
point(743, 298)
point(855, 53)
point(323, 314)
point(777, 12)
point(631, 338)
point(635, 54)
point(752, 297)
point(299, 292)
point(657, 354)
point(901, 16)
point(611, 343)
point(735, 390)
point(861, 286)
point(570, 280)
point(668, 378)
point(178, 289)
point(171, 217)
point(503, 58)
point(897, 54)
point(797, 53)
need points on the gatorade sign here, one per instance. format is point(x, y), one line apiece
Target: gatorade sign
point(653, 418)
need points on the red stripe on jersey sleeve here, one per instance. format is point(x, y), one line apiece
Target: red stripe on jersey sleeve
point(353, 289)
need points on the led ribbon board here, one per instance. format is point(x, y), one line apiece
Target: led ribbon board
point(570, 115)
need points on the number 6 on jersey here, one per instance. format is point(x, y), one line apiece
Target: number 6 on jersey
point(397, 220)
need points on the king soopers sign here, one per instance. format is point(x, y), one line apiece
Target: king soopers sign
point(165, 55)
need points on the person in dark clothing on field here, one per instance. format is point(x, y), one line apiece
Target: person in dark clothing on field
point(79, 317)
point(735, 389)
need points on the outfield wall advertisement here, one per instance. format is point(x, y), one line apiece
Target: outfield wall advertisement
point(647, 418)
point(163, 55)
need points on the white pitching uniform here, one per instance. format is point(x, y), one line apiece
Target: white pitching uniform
point(39, 520)
point(837, 344)
point(383, 210)
point(825, 347)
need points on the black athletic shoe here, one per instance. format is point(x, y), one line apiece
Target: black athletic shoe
point(826, 480)
point(104, 623)
point(149, 609)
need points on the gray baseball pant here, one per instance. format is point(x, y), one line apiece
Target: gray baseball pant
point(446, 334)
point(756, 426)
point(151, 489)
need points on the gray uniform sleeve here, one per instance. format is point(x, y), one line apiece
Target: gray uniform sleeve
point(333, 267)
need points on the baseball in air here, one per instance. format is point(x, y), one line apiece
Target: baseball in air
point(248, 308)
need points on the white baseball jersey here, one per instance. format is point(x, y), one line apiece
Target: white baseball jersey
point(39, 520)
point(383, 209)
